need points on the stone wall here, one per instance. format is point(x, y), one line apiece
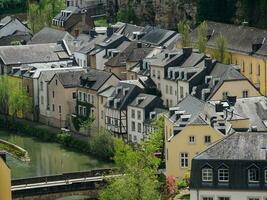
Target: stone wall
point(163, 13)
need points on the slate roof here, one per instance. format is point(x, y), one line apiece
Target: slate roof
point(128, 30)
point(125, 100)
point(148, 98)
point(224, 73)
point(156, 36)
point(34, 53)
point(70, 79)
point(239, 38)
point(107, 92)
point(94, 79)
point(21, 37)
point(238, 146)
point(71, 9)
point(50, 35)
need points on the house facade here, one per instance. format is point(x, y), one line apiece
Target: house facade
point(5, 181)
point(233, 168)
point(140, 111)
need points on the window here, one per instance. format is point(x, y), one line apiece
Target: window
point(265, 175)
point(170, 103)
point(74, 95)
point(207, 198)
point(53, 94)
point(88, 98)
point(42, 100)
point(207, 174)
point(116, 122)
point(245, 94)
point(139, 128)
point(28, 89)
point(139, 114)
point(166, 89)
point(158, 74)
point(133, 114)
point(133, 126)
point(191, 139)
point(225, 95)
point(53, 107)
point(170, 89)
point(84, 111)
point(223, 174)
point(130, 137)
point(159, 86)
point(223, 198)
point(41, 86)
point(253, 198)
point(250, 71)
point(253, 175)
point(80, 96)
point(153, 73)
point(184, 160)
point(134, 138)
point(93, 100)
point(102, 114)
point(207, 139)
point(101, 99)
point(84, 97)
point(181, 92)
point(59, 109)
point(259, 70)
point(56, 81)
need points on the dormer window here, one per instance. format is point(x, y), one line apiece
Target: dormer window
point(207, 174)
point(253, 174)
point(265, 175)
point(223, 174)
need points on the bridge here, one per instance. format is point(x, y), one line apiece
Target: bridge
point(53, 187)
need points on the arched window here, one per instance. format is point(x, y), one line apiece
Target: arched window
point(223, 174)
point(207, 174)
point(253, 174)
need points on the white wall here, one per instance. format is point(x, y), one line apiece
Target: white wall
point(81, 59)
point(234, 195)
point(100, 61)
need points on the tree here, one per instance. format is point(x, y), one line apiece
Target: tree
point(127, 15)
point(87, 123)
point(139, 167)
point(184, 30)
point(41, 14)
point(4, 96)
point(202, 39)
point(221, 45)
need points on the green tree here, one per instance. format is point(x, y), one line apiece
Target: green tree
point(184, 30)
point(202, 39)
point(87, 123)
point(127, 15)
point(4, 96)
point(221, 45)
point(41, 14)
point(139, 167)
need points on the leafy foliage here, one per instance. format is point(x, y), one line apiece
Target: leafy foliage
point(139, 167)
point(13, 6)
point(127, 15)
point(221, 45)
point(184, 30)
point(202, 39)
point(41, 14)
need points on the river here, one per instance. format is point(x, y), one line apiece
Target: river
point(47, 158)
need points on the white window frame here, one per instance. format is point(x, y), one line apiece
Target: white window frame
point(205, 139)
point(249, 175)
point(223, 175)
point(184, 160)
point(192, 141)
point(224, 198)
point(207, 174)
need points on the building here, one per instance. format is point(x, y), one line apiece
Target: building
point(119, 63)
point(5, 181)
point(116, 107)
point(103, 96)
point(191, 127)
point(14, 56)
point(246, 47)
point(62, 97)
point(175, 60)
point(73, 20)
point(50, 35)
point(84, 3)
point(225, 80)
point(232, 169)
point(91, 83)
point(139, 112)
point(13, 31)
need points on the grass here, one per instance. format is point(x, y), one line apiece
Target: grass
point(102, 22)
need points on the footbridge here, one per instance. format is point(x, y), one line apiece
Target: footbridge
point(57, 186)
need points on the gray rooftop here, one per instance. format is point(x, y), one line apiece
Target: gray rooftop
point(34, 53)
point(238, 146)
point(70, 79)
point(147, 99)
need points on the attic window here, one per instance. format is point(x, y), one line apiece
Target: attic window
point(253, 174)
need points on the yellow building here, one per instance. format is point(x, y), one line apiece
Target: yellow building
point(190, 128)
point(246, 47)
point(5, 180)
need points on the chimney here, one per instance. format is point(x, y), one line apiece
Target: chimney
point(187, 51)
point(110, 31)
point(3, 155)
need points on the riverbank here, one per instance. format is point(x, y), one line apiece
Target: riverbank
point(15, 150)
point(77, 143)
